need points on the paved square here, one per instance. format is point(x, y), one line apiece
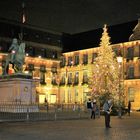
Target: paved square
point(127, 128)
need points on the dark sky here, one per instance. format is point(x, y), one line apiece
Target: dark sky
point(72, 16)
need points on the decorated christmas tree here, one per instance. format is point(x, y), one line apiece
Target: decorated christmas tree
point(104, 78)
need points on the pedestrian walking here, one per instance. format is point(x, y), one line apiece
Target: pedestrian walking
point(129, 108)
point(93, 109)
point(107, 110)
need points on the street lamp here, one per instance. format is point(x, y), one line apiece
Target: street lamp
point(120, 59)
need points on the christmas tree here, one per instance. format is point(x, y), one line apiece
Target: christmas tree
point(104, 79)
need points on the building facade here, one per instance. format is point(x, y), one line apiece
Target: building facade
point(76, 67)
point(64, 76)
point(43, 50)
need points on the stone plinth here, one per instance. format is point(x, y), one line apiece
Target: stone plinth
point(18, 88)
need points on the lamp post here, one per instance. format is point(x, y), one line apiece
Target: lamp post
point(120, 59)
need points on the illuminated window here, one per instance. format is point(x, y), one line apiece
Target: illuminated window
point(131, 94)
point(70, 62)
point(62, 82)
point(94, 55)
point(76, 95)
point(62, 62)
point(69, 78)
point(130, 53)
point(42, 68)
point(76, 78)
point(85, 77)
point(54, 69)
point(54, 80)
point(131, 72)
point(42, 78)
point(85, 59)
point(76, 60)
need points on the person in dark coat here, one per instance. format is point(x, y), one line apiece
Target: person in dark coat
point(107, 109)
point(89, 108)
point(46, 104)
point(93, 109)
point(129, 108)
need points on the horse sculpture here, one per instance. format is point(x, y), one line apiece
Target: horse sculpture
point(16, 57)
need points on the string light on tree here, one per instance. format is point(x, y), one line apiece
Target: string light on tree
point(105, 74)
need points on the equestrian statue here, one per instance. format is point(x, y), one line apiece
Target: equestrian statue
point(16, 57)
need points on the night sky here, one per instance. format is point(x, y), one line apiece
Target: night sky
point(72, 16)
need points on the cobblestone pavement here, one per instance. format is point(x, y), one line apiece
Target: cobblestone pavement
point(127, 128)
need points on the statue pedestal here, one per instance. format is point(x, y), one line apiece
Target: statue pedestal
point(17, 90)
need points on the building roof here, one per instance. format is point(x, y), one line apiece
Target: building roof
point(11, 29)
point(136, 32)
point(90, 39)
point(118, 33)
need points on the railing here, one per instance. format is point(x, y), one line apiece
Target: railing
point(35, 112)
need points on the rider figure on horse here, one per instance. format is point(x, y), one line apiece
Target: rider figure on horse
point(13, 49)
point(16, 57)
